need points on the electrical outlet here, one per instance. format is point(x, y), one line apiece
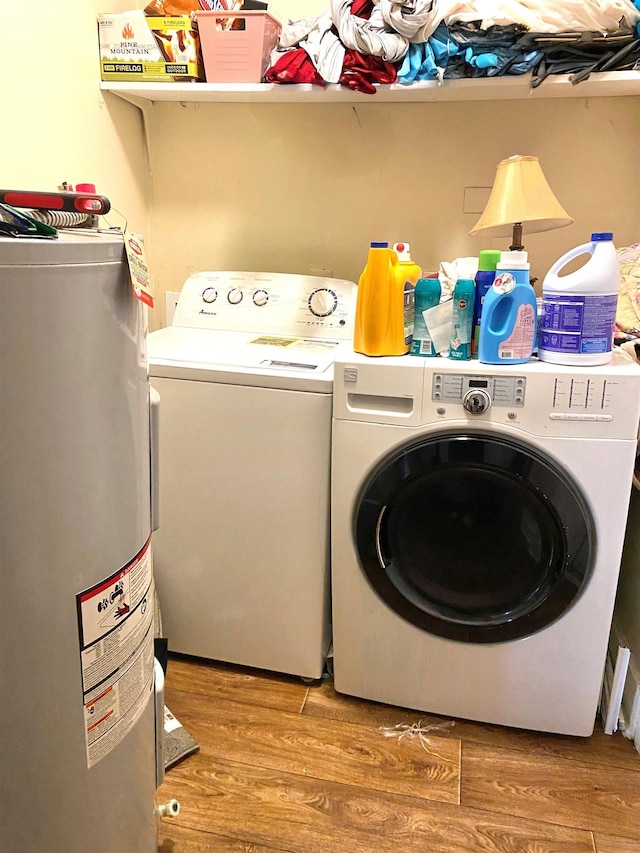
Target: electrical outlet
point(170, 302)
point(475, 199)
point(323, 272)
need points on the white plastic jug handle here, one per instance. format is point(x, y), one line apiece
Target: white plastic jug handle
point(586, 248)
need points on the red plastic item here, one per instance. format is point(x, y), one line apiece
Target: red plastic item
point(79, 202)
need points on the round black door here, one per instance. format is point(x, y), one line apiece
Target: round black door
point(474, 538)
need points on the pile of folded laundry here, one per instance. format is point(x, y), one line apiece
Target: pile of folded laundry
point(360, 43)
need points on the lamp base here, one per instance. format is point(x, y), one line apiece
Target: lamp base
point(516, 238)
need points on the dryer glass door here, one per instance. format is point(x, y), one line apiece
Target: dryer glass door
point(475, 538)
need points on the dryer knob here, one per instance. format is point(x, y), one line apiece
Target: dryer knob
point(235, 296)
point(260, 298)
point(476, 402)
point(209, 294)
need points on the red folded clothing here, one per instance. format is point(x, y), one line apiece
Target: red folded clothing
point(360, 72)
point(362, 8)
point(294, 66)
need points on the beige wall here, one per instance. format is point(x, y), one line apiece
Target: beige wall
point(285, 10)
point(290, 187)
point(295, 187)
point(56, 126)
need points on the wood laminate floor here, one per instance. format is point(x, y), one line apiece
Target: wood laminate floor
point(286, 767)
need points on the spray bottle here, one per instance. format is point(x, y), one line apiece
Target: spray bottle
point(462, 319)
point(427, 295)
point(488, 259)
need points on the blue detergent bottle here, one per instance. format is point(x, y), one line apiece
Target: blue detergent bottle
point(509, 313)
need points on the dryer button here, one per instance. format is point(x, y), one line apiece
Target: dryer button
point(557, 416)
point(573, 417)
point(604, 417)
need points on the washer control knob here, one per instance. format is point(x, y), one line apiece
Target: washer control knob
point(323, 302)
point(260, 298)
point(209, 294)
point(476, 402)
point(235, 296)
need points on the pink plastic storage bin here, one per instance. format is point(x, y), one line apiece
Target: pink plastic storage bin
point(237, 55)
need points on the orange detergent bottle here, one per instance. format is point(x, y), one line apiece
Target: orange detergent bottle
point(379, 324)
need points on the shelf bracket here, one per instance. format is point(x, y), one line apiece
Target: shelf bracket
point(146, 109)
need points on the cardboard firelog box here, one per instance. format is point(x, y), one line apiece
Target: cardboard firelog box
point(149, 49)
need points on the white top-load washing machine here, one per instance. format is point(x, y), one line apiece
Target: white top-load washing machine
point(245, 376)
point(478, 517)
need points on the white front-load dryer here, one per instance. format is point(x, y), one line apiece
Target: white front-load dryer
point(478, 517)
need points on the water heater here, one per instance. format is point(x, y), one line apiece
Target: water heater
point(77, 729)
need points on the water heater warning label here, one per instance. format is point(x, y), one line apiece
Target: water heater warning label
point(115, 624)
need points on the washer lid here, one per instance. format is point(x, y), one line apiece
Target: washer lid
point(79, 246)
point(243, 358)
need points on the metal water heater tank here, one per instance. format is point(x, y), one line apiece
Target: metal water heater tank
point(77, 731)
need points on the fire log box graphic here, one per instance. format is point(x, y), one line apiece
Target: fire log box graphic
point(164, 43)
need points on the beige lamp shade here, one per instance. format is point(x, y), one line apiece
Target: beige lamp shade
point(520, 194)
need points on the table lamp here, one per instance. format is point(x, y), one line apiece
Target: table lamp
point(521, 200)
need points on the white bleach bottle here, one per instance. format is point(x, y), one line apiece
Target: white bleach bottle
point(579, 309)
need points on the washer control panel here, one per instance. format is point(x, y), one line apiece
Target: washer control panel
point(275, 303)
point(478, 393)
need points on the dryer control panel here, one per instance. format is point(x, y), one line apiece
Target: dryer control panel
point(478, 392)
point(536, 398)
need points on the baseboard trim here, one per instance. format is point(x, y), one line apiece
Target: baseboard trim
point(629, 721)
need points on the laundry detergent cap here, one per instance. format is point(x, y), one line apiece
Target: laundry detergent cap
point(402, 250)
point(601, 236)
point(513, 261)
point(380, 245)
point(488, 259)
